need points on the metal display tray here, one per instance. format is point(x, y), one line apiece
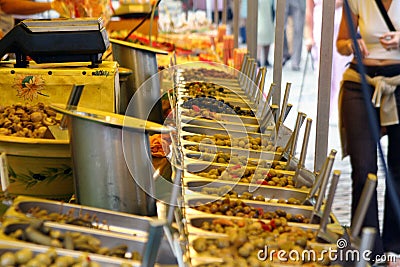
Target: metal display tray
point(235, 124)
point(108, 239)
point(111, 221)
point(271, 193)
point(103, 261)
point(306, 211)
point(193, 166)
point(281, 140)
point(194, 221)
point(227, 118)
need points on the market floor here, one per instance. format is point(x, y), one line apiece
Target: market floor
point(307, 104)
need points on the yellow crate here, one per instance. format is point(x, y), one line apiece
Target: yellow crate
point(52, 83)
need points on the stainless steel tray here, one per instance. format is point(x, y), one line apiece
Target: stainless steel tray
point(14, 246)
point(108, 239)
point(235, 124)
point(193, 168)
point(112, 221)
point(281, 139)
point(229, 118)
point(306, 211)
point(270, 193)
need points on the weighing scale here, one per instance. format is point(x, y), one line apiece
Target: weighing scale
point(56, 41)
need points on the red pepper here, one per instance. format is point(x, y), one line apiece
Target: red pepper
point(265, 227)
point(195, 108)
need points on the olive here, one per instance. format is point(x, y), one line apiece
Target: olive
point(43, 258)
point(280, 213)
point(299, 218)
point(259, 198)
point(7, 259)
point(23, 255)
point(200, 244)
point(224, 208)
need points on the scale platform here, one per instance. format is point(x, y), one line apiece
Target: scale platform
point(56, 41)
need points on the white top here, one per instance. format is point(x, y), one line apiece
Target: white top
point(372, 25)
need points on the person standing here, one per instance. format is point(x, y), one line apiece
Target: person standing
point(381, 59)
point(265, 30)
point(295, 9)
point(24, 7)
point(313, 28)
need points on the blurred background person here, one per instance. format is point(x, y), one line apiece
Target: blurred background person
point(265, 30)
point(8, 8)
point(313, 28)
point(295, 9)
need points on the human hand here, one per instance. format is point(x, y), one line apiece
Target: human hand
point(390, 40)
point(361, 44)
point(61, 8)
point(309, 44)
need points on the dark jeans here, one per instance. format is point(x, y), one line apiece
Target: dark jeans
point(363, 156)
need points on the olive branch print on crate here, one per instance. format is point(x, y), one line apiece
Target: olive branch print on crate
point(48, 175)
point(29, 87)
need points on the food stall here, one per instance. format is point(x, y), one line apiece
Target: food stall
point(235, 186)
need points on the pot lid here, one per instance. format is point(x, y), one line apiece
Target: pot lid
point(109, 118)
point(138, 47)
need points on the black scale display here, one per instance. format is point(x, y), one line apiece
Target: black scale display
point(56, 41)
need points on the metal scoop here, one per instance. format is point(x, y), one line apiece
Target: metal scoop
point(362, 207)
point(300, 170)
point(316, 214)
point(153, 242)
point(311, 197)
point(59, 132)
point(323, 234)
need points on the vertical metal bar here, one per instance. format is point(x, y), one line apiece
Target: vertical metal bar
point(324, 83)
point(251, 27)
point(362, 207)
point(216, 12)
point(278, 51)
point(225, 12)
point(236, 15)
point(367, 243)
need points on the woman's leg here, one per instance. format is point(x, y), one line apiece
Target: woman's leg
point(363, 155)
point(391, 228)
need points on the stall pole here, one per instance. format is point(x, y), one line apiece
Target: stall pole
point(225, 12)
point(236, 15)
point(216, 15)
point(278, 51)
point(324, 84)
point(251, 28)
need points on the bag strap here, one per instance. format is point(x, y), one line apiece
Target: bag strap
point(385, 15)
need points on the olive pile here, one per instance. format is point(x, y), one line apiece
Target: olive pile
point(25, 257)
point(26, 120)
point(36, 232)
point(201, 73)
point(85, 220)
point(225, 191)
point(236, 207)
point(246, 142)
point(205, 88)
point(241, 174)
point(201, 113)
point(234, 159)
point(215, 105)
point(246, 238)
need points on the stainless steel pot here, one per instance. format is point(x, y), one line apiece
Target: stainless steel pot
point(111, 158)
point(146, 103)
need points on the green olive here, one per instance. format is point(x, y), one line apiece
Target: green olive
point(43, 258)
point(7, 259)
point(23, 255)
point(33, 263)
